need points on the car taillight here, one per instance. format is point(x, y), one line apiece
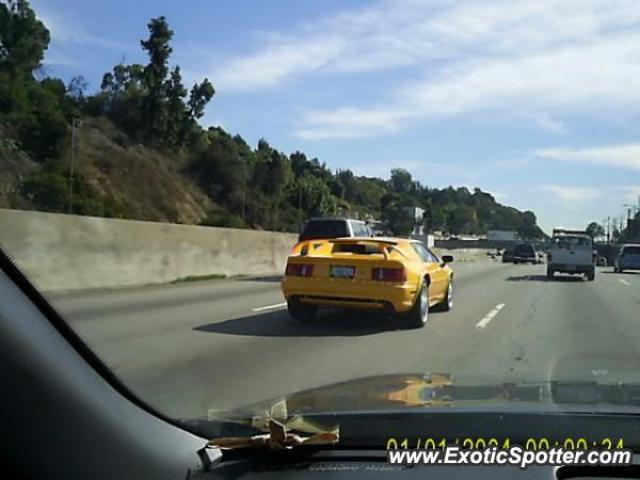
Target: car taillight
point(389, 274)
point(299, 270)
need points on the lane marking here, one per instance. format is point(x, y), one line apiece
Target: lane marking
point(485, 321)
point(269, 307)
point(624, 282)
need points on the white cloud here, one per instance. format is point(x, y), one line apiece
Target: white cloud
point(499, 196)
point(348, 123)
point(394, 33)
point(631, 194)
point(543, 121)
point(571, 196)
point(68, 35)
point(592, 76)
point(57, 57)
point(624, 156)
point(527, 58)
point(277, 63)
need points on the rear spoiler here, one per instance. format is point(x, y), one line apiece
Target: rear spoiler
point(362, 240)
point(564, 231)
point(307, 247)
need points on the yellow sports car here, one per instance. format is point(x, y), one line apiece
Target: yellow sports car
point(398, 275)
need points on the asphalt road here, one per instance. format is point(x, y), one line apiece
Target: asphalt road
point(190, 347)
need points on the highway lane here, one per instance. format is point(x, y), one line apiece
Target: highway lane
point(190, 347)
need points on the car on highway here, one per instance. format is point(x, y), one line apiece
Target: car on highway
point(525, 253)
point(571, 252)
point(627, 258)
point(397, 275)
point(317, 228)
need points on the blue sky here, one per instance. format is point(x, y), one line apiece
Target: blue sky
point(536, 101)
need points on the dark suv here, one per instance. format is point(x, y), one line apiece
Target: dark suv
point(316, 228)
point(525, 253)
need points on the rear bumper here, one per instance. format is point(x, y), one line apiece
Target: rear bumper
point(365, 295)
point(567, 268)
point(628, 265)
point(525, 259)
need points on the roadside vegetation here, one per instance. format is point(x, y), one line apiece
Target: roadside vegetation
point(141, 153)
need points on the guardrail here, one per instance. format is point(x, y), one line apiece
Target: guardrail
point(68, 252)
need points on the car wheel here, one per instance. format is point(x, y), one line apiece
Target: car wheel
point(301, 311)
point(418, 316)
point(447, 303)
point(591, 275)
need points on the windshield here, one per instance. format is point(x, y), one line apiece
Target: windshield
point(572, 242)
point(325, 228)
point(177, 182)
point(524, 250)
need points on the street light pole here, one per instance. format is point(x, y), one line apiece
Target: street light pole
point(74, 125)
point(244, 186)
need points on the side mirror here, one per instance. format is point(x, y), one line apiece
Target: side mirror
point(447, 259)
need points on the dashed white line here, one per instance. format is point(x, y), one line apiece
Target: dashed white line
point(485, 321)
point(624, 282)
point(270, 307)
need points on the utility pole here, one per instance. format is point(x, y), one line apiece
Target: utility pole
point(244, 186)
point(75, 123)
point(631, 212)
point(608, 230)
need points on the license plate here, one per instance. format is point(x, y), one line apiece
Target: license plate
point(342, 272)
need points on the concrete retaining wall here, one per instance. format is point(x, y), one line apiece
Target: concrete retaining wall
point(68, 252)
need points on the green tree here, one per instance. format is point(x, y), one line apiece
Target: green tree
point(23, 39)
point(159, 50)
point(594, 230)
point(37, 111)
point(529, 228)
point(398, 219)
point(401, 180)
point(176, 111)
point(200, 95)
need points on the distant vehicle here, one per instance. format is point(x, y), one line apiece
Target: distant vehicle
point(325, 228)
point(397, 275)
point(571, 252)
point(627, 258)
point(502, 236)
point(525, 253)
point(507, 256)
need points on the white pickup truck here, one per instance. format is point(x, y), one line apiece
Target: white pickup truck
point(571, 252)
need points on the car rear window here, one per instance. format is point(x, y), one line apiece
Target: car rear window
point(357, 248)
point(328, 228)
point(360, 229)
point(524, 250)
point(631, 251)
point(572, 242)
